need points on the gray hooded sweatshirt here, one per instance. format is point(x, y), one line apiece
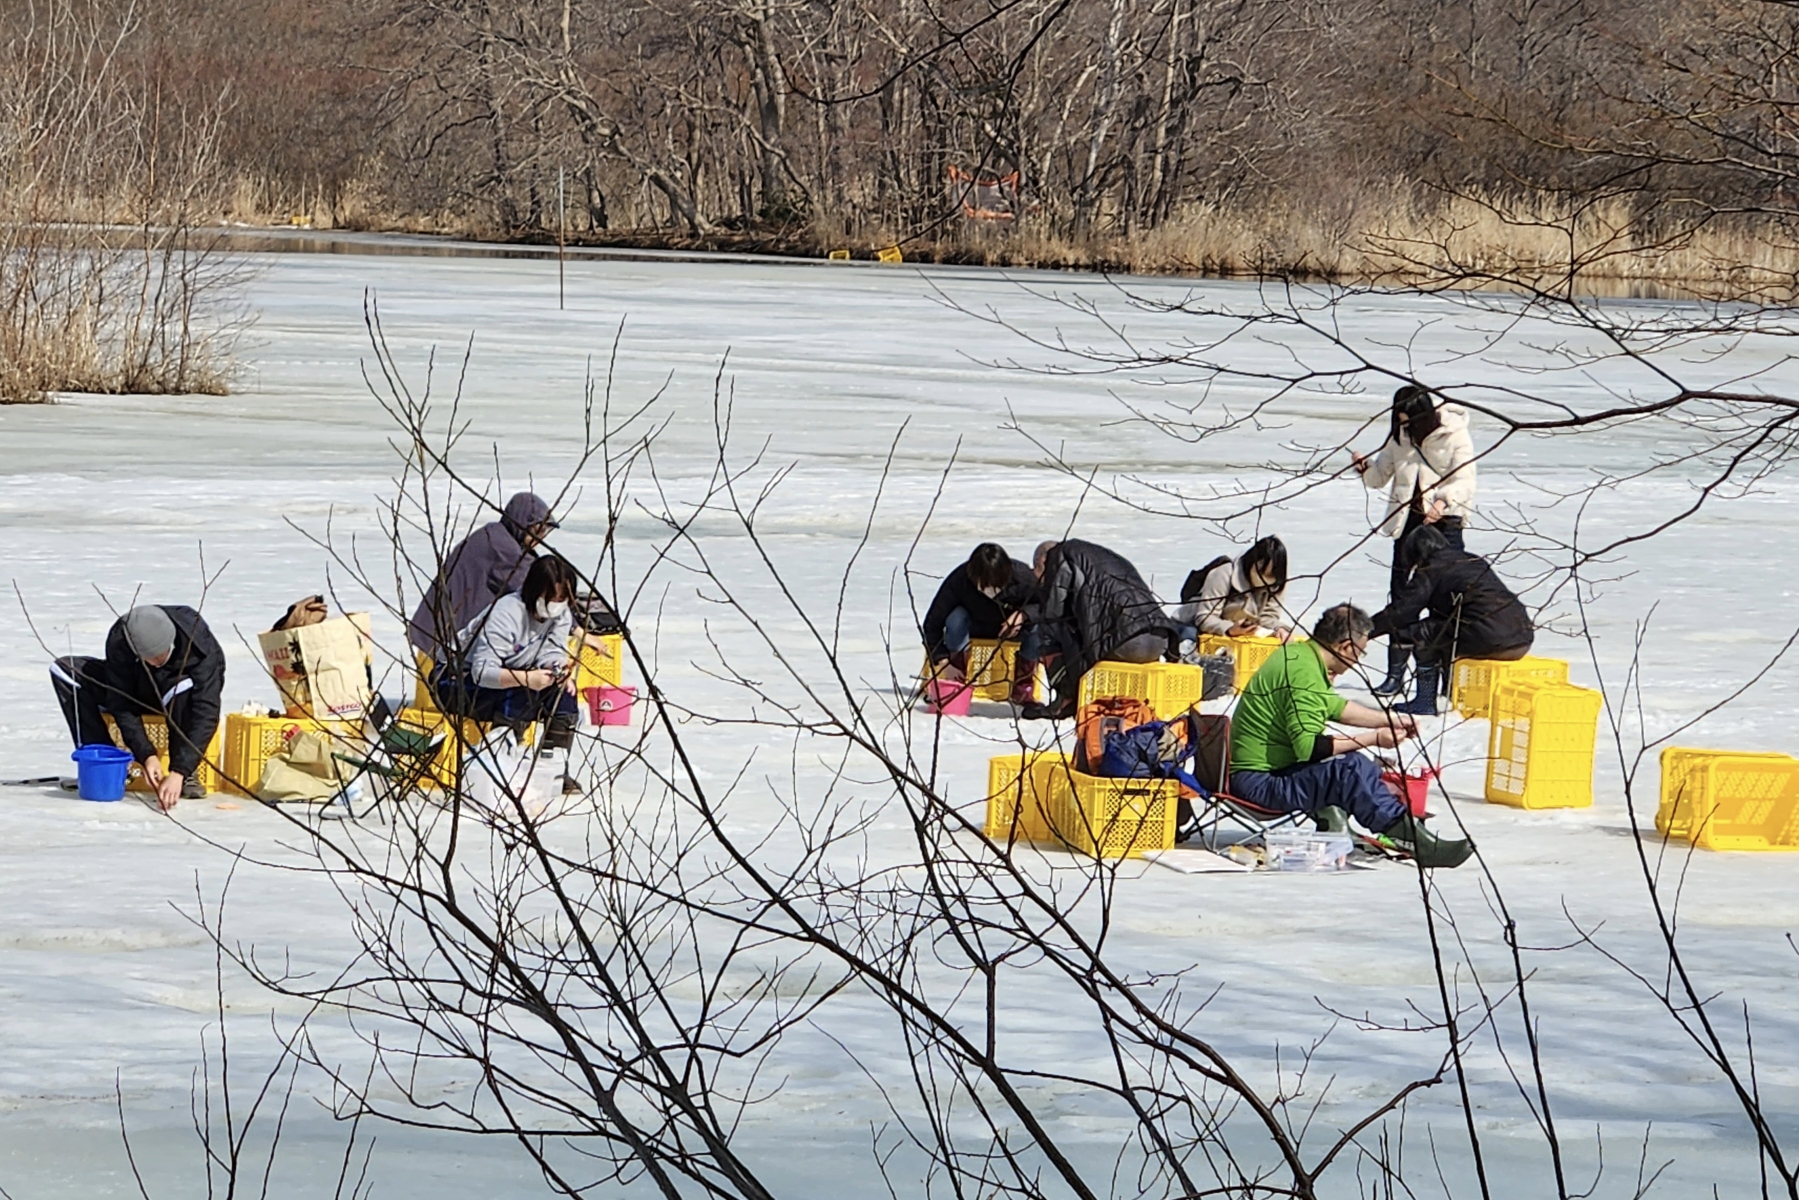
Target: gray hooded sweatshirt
point(487, 564)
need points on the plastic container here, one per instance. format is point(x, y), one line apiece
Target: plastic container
point(1170, 689)
point(1249, 653)
point(1020, 791)
point(991, 668)
point(1302, 850)
point(250, 741)
point(1474, 680)
point(422, 699)
point(1540, 749)
point(1113, 818)
point(447, 765)
point(1729, 800)
point(157, 730)
point(1414, 789)
point(610, 705)
point(948, 697)
point(593, 669)
point(101, 772)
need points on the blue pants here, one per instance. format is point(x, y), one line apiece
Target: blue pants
point(1350, 782)
point(957, 633)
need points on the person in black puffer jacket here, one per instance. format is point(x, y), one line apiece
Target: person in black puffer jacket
point(1096, 607)
point(1472, 614)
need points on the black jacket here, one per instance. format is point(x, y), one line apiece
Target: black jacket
point(1489, 618)
point(985, 616)
point(1095, 601)
point(133, 688)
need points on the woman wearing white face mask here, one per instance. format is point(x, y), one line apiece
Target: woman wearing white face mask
point(511, 662)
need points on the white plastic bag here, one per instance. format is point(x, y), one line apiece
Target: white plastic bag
point(501, 775)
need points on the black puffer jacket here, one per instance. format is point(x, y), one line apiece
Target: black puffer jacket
point(1490, 618)
point(133, 686)
point(985, 616)
point(1095, 601)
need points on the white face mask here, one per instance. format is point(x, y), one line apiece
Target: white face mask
point(551, 609)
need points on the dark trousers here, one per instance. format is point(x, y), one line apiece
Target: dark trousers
point(86, 698)
point(515, 707)
point(1350, 782)
point(1399, 650)
point(959, 629)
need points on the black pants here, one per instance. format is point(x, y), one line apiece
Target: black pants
point(513, 707)
point(86, 699)
point(1399, 652)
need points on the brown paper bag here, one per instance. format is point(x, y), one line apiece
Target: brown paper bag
point(323, 669)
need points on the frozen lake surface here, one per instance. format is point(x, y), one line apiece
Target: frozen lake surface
point(105, 982)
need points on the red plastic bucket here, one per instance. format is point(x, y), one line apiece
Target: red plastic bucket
point(1413, 789)
point(609, 705)
point(948, 697)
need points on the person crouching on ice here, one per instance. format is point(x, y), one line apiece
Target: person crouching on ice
point(1096, 607)
point(1285, 759)
point(1240, 597)
point(985, 597)
point(1472, 615)
point(161, 661)
point(511, 665)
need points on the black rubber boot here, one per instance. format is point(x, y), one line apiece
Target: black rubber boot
point(1424, 701)
point(1397, 658)
point(1409, 835)
point(1331, 819)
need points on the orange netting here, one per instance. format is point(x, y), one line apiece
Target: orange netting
point(985, 199)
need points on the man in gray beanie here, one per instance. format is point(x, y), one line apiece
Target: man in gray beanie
point(161, 661)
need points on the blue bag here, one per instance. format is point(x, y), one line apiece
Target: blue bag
point(1153, 750)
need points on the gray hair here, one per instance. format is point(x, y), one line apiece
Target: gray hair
point(1343, 623)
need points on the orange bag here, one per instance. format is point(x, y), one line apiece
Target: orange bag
point(1107, 714)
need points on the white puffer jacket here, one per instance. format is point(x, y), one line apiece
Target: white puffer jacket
point(1442, 468)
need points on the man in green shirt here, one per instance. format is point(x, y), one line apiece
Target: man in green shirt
point(1285, 759)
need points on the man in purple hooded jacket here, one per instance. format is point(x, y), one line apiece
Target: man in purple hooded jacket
point(486, 565)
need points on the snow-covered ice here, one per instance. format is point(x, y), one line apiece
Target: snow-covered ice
point(103, 977)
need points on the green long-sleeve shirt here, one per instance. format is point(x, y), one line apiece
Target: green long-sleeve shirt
point(1283, 710)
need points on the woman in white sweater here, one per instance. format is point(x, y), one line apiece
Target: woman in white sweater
point(511, 662)
point(1239, 597)
point(1427, 469)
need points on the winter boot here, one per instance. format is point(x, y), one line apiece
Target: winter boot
point(1409, 835)
point(1331, 819)
point(191, 789)
point(1059, 708)
point(1424, 701)
point(1024, 681)
point(1394, 683)
point(559, 738)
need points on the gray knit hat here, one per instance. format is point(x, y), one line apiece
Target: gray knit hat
point(149, 631)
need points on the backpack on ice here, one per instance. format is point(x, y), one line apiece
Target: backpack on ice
point(1100, 718)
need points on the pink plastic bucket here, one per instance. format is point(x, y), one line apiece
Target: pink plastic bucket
point(949, 697)
point(1413, 789)
point(610, 705)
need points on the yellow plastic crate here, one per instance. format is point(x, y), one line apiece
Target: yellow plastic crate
point(1113, 818)
point(1471, 688)
point(992, 665)
point(207, 773)
point(1728, 800)
point(251, 741)
point(1168, 688)
point(1540, 748)
point(593, 669)
point(1249, 653)
point(1020, 789)
point(422, 699)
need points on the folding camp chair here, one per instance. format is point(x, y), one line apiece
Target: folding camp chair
point(396, 763)
point(1212, 767)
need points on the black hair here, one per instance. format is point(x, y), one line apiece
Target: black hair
point(1419, 410)
point(1268, 556)
point(989, 566)
point(548, 578)
point(1342, 623)
point(1422, 544)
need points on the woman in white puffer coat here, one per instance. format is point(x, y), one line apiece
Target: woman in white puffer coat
point(1427, 468)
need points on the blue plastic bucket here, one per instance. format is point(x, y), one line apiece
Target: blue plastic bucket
point(101, 772)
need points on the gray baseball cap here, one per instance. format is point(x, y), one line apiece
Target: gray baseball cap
point(149, 631)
